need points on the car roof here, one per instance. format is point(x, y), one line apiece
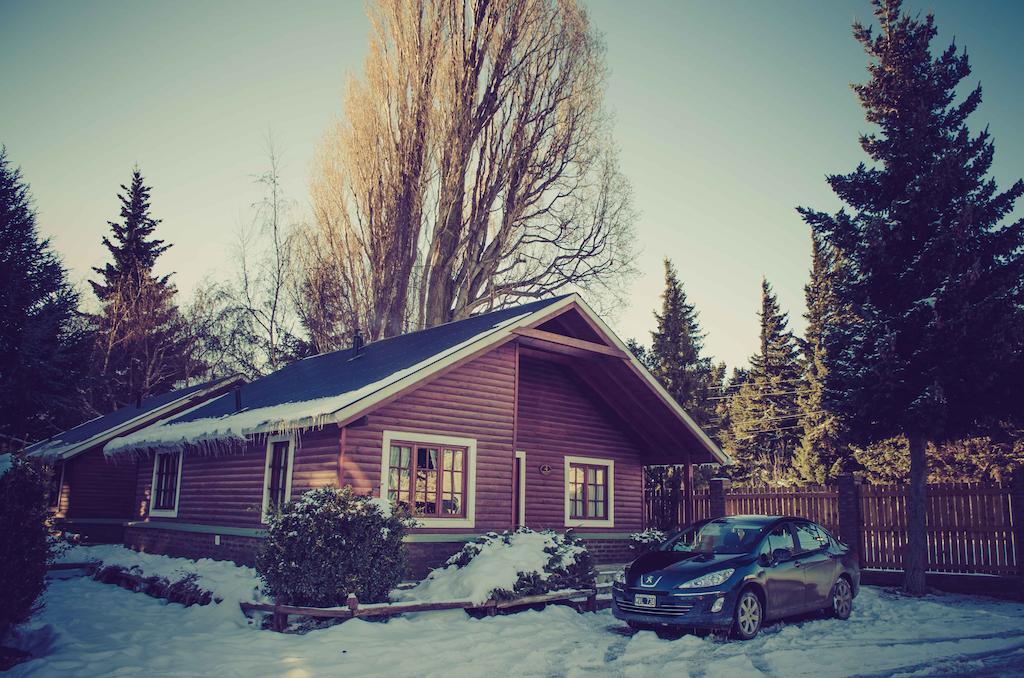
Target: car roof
point(762, 520)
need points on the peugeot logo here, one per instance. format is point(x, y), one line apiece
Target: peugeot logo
point(649, 580)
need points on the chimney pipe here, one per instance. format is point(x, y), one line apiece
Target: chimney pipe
point(238, 399)
point(357, 343)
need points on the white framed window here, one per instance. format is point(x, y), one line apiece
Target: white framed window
point(277, 473)
point(589, 492)
point(166, 484)
point(433, 475)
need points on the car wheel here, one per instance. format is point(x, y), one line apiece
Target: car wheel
point(842, 599)
point(748, 617)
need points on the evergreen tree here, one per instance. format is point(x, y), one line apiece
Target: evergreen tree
point(821, 454)
point(763, 413)
point(675, 354)
point(43, 343)
point(143, 346)
point(134, 250)
point(933, 276)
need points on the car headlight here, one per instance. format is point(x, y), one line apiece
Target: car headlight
point(619, 578)
point(711, 579)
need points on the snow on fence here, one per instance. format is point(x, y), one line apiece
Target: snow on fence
point(585, 599)
point(973, 528)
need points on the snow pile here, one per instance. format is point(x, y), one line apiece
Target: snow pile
point(307, 413)
point(226, 581)
point(6, 462)
point(642, 542)
point(92, 629)
point(498, 565)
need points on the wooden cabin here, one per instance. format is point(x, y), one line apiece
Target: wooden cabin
point(93, 495)
point(535, 415)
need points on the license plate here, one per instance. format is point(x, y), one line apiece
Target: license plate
point(643, 600)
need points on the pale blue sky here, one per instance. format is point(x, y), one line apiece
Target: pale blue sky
point(728, 115)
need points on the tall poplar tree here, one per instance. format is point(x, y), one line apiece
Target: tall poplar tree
point(932, 273)
point(43, 339)
point(822, 453)
point(763, 413)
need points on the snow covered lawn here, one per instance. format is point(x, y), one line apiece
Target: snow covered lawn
point(89, 628)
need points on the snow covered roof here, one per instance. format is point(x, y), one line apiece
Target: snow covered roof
point(99, 430)
point(337, 387)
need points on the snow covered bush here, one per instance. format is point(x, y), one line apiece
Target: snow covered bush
point(642, 542)
point(509, 565)
point(25, 547)
point(331, 543)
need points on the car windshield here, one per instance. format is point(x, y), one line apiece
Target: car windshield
point(717, 536)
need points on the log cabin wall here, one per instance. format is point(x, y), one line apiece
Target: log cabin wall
point(96, 495)
point(559, 416)
point(227, 488)
point(475, 400)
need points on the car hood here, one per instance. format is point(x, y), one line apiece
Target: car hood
point(675, 568)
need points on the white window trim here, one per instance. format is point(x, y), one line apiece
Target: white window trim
point(165, 513)
point(521, 486)
point(266, 471)
point(60, 485)
point(593, 522)
point(410, 436)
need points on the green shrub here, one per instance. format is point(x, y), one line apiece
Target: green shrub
point(25, 548)
point(331, 543)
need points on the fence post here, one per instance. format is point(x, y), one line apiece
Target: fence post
point(1017, 516)
point(719, 488)
point(849, 511)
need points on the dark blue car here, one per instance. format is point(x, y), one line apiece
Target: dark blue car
point(736, 573)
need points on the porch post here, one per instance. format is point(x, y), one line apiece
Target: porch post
point(688, 512)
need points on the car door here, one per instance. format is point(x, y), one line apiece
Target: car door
point(817, 562)
point(784, 580)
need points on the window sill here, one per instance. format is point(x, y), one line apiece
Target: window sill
point(605, 522)
point(445, 522)
point(163, 513)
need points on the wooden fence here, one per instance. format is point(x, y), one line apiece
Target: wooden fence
point(973, 528)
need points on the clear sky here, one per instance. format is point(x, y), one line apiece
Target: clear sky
point(728, 115)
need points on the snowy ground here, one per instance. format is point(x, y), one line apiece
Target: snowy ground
point(89, 628)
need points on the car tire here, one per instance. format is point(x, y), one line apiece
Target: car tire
point(748, 617)
point(842, 599)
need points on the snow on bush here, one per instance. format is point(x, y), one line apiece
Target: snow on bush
point(509, 565)
point(223, 579)
point(642, 542)
point(25, 547)
point(331, 543)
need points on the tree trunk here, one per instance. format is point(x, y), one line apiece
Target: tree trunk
point(914, 560)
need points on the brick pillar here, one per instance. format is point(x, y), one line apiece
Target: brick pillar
point(719, 489)
point(849, 511)
point(1017, 515)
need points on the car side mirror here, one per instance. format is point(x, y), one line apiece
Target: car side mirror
point(765, 560)
point(779, 555)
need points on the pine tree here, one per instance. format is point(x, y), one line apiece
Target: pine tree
point(134, 249)
point(821, 454)
point(933, 276)
point(763, 413)
point(43, 343)
point(143, 346)
point(675, 354)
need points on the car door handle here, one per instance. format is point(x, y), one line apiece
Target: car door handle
point(796, 563)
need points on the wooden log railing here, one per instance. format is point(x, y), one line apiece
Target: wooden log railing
point(587, 598)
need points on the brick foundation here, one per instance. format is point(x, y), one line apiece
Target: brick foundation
point(609, 551)
point(241, 550)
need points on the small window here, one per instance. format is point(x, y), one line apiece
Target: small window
point(277, 478)
point(588, 491)
point(166, 479)
point(811, 538)
point(430, 480)
point(56, 484)
point(780, 538)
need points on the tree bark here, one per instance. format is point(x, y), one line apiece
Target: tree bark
point(915, 557)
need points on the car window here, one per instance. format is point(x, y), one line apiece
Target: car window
point(779, 538)
point(811, 538)
point(716, 536)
